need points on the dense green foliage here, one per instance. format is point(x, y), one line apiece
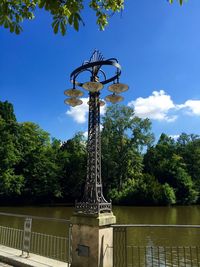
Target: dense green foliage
point(64, 13)
point(135, 171)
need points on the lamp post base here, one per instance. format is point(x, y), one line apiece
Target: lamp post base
point(92, 240)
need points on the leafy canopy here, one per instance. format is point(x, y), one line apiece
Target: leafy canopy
point(36, 169)
point(63, 12)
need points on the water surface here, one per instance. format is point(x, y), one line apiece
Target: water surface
point(189, 215)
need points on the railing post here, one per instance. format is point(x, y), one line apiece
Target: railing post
point(27, 236)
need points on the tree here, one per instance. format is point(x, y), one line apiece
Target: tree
point(63, 12)
point(11, 183)
point(7, 112)
point(168, 195)
point(73, 162)
point(38, 163)
point(188, 146)
point(157, 158)
point(28, 160)
point(124, 136)
point(143, 191)
point(166, 163)
point(36, 169)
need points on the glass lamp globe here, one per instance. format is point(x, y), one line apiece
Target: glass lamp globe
point(73, 92)
point(114, 98)
point(73, 101)
point(92, 86)
point(118, 88)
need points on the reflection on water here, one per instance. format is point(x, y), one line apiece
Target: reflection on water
point(125, 215)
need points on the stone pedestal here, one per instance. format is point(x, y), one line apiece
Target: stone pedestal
point(92, 240)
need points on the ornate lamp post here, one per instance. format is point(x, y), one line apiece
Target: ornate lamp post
point(93, 201)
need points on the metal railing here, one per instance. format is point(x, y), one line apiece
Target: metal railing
point(11, 237)
point(126, 251)
point(126, 254)
point(28, 241)
point(163, 256)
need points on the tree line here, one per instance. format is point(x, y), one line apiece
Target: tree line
point(36, 169)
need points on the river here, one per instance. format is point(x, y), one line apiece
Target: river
point(125, 215)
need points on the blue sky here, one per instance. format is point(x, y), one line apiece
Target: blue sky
point(157, 45)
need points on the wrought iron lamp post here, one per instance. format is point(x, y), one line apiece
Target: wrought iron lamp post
point(93, 201)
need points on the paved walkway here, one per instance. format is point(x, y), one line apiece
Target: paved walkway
point(12, 256)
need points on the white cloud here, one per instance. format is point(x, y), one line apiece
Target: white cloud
point(155, 106)
point(103, 110)
point(158, 106)
point(80, 113)
point(85, 134)
point(174, 136)
point(192, 106)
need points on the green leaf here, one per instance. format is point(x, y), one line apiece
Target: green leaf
point(54, 23)
point(17, 29)
point(18, 18)
point(6, 24)
point(63, 28)
point(1, 21)
point(76, 23)
point(71, 18)
point(41, 3)
point(12, 28)
point(55, 28)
